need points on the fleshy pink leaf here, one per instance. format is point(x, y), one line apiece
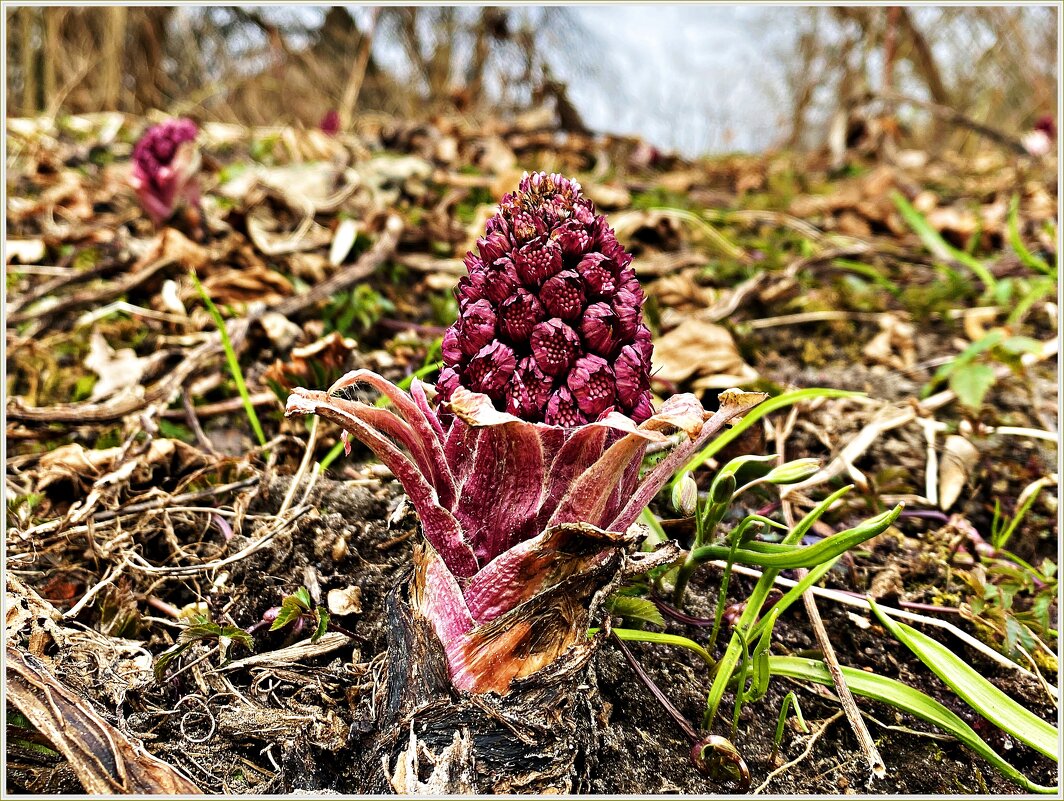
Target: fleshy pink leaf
point(423, 444)
point(532, 566)
point(418, 393)
point(588, 497)
point(441, 527)
point(439, 598)
point(501, 496)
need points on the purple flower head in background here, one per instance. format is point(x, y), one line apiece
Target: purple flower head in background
point(526, 473)
point(550, 322)
point(165, 163)
point(330, 122)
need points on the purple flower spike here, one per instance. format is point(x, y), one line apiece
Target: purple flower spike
point(632, 377)
point(537, 261)
point(563, 410)
point(550, 281)
point(330, 122)
point(477, 328)
point(529, 389)
point(500, 280)
point(490, 370)
point(563, 295)
point(165, 163)
point(520, 314)
point(526, 472)
point(597, 271)
point(593, 385)
point(598, 329)
point(555, 346)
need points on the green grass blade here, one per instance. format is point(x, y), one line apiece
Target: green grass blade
point(722, 243)
point(794, 593)
point(230, 357)
point(809, 556)
point(990, 340)
point(907, 699)
point(788, 700)
point(755, 414)
point(331, 456)
point(657, 533)
point(1016, 241)
point(977, 692)
point(939, 247)
point(869, 272)
point(660, 638)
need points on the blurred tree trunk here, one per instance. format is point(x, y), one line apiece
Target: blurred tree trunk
point(923, 59)
point(358, 72)
point(29, 61)
point(113, 50)
point(151, 86)
point(492, 25)
point(53, 20)
point(439, 64)
point(890, 52)
point(802, 93)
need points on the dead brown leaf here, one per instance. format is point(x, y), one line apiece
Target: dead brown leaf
point(106, 761)
point(74, 462)
point(316, 364)
point(118, 370)
point(701, 351)
point(894, 345)
point(244, 285)
point(959, 458)
point(172, 247)
point(680, 290)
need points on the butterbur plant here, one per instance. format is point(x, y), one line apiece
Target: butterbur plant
point(550, 323)
point(165, 163)
point(524, 463)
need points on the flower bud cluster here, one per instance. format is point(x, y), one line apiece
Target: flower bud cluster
point(550, 323)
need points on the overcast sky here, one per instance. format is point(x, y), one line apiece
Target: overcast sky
point(694, 78)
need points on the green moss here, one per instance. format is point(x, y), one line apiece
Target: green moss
point(658, 197)
point(466, 210)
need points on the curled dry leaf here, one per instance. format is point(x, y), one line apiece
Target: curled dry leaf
point(959, 458)
point(306, 189)
point(495, 156)
point(106, 761)
point(655, 226)
point(172, 247)
point(66, 192)
point(894, 345)
point(343, 240)
point(955, 224)
point(679, 290)
point(281, 331)
point(265, 231)
point(608, 197)
point(346, 601)
point(976, 321)
point(701, 351)
point(25, 251)
point(246, 285)
point(74, 462)
point(321, 362)
point(301, 187)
